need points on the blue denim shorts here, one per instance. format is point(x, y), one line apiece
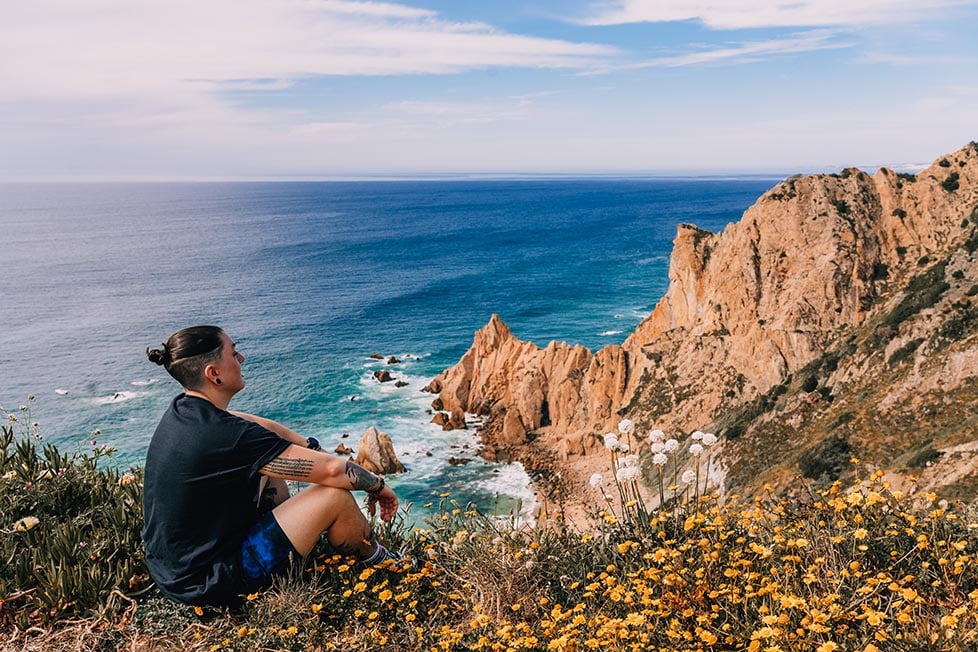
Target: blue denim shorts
point(266, 551)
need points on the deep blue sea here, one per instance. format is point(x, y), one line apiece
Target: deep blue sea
point(311, 278)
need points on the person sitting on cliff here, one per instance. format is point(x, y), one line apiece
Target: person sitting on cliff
point(209, 533)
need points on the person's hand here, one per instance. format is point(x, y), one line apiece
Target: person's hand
point(388, 503)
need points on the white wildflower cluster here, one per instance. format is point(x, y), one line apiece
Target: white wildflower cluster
point(612, 443)
point(701, 441)
point(629, 469)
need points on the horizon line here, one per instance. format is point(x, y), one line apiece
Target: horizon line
point(453, 176)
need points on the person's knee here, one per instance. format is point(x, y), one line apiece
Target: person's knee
point(333, 495)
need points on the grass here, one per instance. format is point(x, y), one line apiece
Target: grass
point(859, 567)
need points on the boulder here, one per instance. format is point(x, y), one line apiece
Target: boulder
point(401, 383)
point(393, 360)
point(434, 387)
point(457, 419)
point(376, 453)
point(343, 449)
point(376, 356)
point(440, 418)
point(383, 376)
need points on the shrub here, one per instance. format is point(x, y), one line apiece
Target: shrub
point(951, 183)
point(843, 566)
point(945, 163)
point(841, 206)
point(899, 212)
point(74, 529)
point(826, 460)
point(905, 352)
point(922, 292)
point(923, 457)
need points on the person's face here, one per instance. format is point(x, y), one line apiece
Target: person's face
point(228, 369)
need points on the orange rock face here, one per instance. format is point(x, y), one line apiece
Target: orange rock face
point(808, 263)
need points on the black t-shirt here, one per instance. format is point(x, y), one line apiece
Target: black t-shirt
point(199, 498)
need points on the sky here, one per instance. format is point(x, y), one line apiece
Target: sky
point(279, 89)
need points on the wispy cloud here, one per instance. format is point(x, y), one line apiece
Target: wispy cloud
point(61, 48)
point(742, 14)
point(416, 116)
point(746, 52)
point(161, 72)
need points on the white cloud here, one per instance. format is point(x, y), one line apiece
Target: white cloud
point(153, 74)
point(742, 14)
point(746, 52)
point(56, 49)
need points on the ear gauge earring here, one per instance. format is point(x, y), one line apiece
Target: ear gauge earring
point(217, 380)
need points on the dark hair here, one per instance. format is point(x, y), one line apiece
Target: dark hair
point(187, 352)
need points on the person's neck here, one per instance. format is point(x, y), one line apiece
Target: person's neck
point(219, 401)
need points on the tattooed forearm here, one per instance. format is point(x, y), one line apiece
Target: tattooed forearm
point(361, 478)
point(293, 469)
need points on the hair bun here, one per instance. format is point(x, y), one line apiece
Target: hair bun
point(158, 356)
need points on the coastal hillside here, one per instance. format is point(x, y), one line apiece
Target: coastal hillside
point(837, 319)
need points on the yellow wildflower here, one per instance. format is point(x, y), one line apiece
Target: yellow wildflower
point(26, 523)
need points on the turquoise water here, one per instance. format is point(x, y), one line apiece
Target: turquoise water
point(310, 279)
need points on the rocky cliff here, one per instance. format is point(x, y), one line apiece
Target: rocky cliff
point(837, 318)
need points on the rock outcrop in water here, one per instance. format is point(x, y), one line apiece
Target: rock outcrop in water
point(840, 308)
point(376, 453)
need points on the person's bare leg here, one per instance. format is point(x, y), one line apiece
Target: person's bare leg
point(275, 493)
point(315, 509)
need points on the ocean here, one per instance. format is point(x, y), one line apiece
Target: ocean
point(310, 279)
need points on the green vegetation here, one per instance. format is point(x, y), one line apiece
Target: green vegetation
point(922, 457)
point(826, 461)
point(858, 568)
point(951, 183)
point(922, 292)
point(841, 206)
point(944, 163)
point(971, 244)
point(73, 542)
point(905, 352)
